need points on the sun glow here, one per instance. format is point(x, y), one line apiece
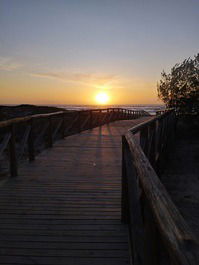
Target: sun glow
point(102, 98)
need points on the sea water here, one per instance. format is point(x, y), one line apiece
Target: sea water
point(150, 108)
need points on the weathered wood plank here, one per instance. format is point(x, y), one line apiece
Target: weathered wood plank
point(64, 208)
point(175, 234)
point(12, 260)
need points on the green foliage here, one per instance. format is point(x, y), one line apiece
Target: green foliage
point(180, 88)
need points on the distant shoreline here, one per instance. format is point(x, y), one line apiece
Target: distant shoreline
point(11, 111)
point(16, 111)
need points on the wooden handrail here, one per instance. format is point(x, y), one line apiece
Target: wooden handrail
point(158, 232)
point(45, 115)
point(24, 136)
point(27, 118)
point(160, 112)
point(138, 127)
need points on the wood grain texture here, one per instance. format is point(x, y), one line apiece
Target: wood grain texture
point(65, 207)
point(176, 236)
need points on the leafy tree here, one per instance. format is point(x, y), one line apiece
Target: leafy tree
point(180, 88)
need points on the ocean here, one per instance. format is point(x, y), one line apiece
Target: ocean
point(150, 108)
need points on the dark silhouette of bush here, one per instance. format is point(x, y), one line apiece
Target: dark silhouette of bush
point(180, 88)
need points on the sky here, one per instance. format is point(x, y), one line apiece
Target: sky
point(67, 51)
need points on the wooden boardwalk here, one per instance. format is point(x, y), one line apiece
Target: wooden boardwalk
point(64, 208)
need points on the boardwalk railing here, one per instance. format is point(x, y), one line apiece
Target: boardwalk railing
point(158, 233)
point(27, 136)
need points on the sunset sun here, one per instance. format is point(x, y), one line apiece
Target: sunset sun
point(102, 98)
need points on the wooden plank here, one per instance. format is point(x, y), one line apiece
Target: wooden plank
point(124, 195)
point(64, 253)
point(12, 260)
point(67, 239)
point(90, 221)
point(139, 255)
point(64, 232)
point(65, 245)
point(65, 227)
point(64, 208)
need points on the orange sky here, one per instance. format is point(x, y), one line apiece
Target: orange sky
point(65, 52)
point(17, 88)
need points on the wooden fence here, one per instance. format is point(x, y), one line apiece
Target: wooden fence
point(158, 233)
point(26, 137)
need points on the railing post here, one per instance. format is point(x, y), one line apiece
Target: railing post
point(124, 197)
point(50, 136)
point(12, 152)
point(91, 119)
point(31, 150)
point(108, 116)
point(113, 115)
point(118, 114)
point(134, 211)
point(79, 122)
point(122, 114)
point(144, 133)
point(63, 125)
point(100, 118)
point(152, 150)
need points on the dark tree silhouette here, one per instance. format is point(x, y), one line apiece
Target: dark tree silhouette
point(180, 88)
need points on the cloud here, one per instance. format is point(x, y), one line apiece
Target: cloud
point(102, 81)
point(8, 64)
